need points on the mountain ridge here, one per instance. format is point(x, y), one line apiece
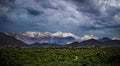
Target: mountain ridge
point(7, 40)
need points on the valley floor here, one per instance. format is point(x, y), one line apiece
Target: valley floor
point(60, 57)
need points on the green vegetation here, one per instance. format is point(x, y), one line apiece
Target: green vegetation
point(60, 57)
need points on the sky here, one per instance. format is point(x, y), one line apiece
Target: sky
point(80, 17)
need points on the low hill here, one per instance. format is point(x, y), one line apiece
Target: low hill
point(112, 43)
point(87, 43)
point(46, 45)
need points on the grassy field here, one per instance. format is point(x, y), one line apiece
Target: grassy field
point(60, 57)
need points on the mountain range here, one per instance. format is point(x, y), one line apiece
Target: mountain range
point(56, 40)
point(46, 37)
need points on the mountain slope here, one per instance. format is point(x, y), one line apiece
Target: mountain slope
point(9, 41)
point(91, 42)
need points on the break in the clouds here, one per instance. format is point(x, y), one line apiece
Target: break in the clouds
point(97, 17)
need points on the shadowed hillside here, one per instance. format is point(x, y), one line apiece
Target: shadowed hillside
point(9, 41)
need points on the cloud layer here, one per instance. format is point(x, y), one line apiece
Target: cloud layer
point(80, 17)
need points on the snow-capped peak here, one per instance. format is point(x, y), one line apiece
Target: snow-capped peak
point(47, 34)
point(37, 34)
point(61, 34)
point(30, 34)
point(41, 37)
point(87, 37)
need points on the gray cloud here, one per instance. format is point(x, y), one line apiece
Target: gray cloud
point(76, 16)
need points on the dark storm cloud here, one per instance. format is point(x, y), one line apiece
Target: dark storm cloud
point(5, 6)
point(4, 22)
point(4, 18)
point(34, 12)
point(6, 2)
point(76, 16)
